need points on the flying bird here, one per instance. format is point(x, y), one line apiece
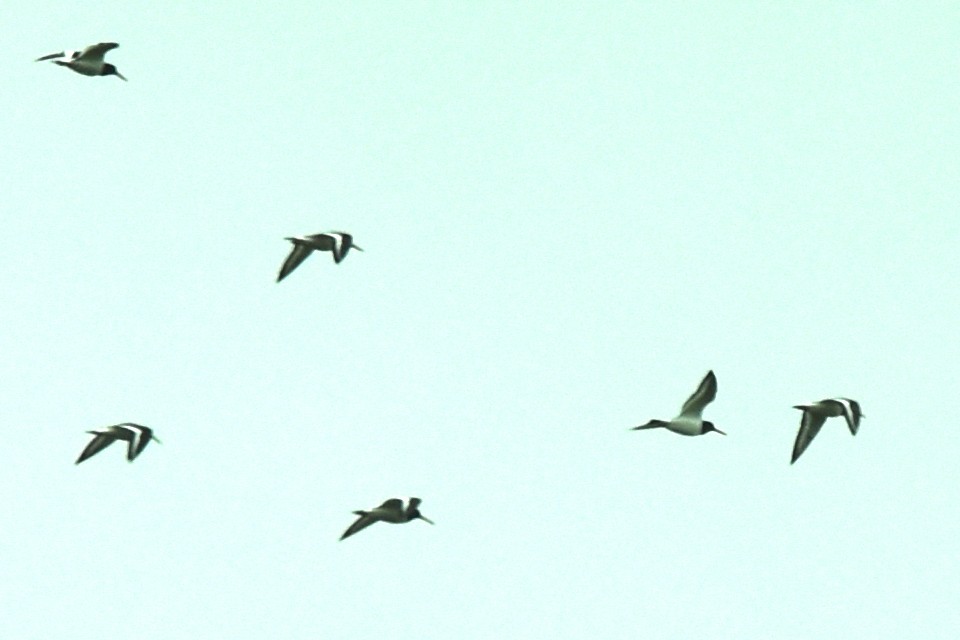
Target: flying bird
point(136, 435)
point(690, 421)
point(390, 511)
point(336, 241)
point(814, 415)
point(88, 62)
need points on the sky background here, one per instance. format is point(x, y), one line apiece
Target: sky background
point(570, 212)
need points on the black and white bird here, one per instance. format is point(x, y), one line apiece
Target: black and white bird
point(390, 511)
point(88, 62)
point(137, 437)
point(335, 241)
point(814, 415)
point(690, 421)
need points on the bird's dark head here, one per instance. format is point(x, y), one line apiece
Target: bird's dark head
point(708, 426)
point(416, 514)
point(110, 70)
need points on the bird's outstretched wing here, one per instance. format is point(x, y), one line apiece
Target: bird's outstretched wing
point(704, 395)
point(298, 254)
point(51, 56)
point(653, 424)
point(95, 52)
point(341, 244)
point(100, 442)
point(809, 428)
point(392, 505)
point(139, 440)
point(365, 520)
point(851, 411)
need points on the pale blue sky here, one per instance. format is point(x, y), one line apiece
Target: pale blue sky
point(570, 212)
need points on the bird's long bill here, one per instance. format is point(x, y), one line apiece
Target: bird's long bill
point(353, 246)
point(119, 75)
point(723, 433)
point(156, 439)
point(427, 519)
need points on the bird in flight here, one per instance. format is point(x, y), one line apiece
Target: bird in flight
point(88, 62)
point(390, 511)
point(335, 241)
point(690, 421)
point(137, 437)
point(815, 414)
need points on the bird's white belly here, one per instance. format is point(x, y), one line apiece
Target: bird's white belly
point(685, 426)
point(86, 68)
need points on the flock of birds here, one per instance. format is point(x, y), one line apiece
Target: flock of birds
point(689, 422)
